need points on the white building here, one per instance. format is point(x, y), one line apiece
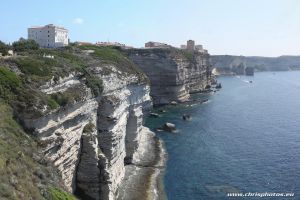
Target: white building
point(156, 45)
point(191, 46)
point(183, 46)
point(49, 36)
point(199, 47)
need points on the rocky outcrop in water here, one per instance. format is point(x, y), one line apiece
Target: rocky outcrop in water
point(174, 74)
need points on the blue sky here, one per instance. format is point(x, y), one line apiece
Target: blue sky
point(238, 27)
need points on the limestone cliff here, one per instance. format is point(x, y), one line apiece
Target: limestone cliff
point(174, 74)
point(93, 136)
point(92, 140)
point(85, 107)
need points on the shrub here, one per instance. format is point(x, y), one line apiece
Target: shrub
point(188, 55)
point(58, 194)
point(9, 83)
point(61, 99)
point(115, 56)
point(39, 67)
point(70, 96)
point(3, 48)
point(52, 103)
point(23, 45)
point(95, 84)
point(89, 128)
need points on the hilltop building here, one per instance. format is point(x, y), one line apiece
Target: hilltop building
point(183, 46)
point(105, 44)
point(199, 47)
point(190, 45)
point(156, 45)
point(114, 44)
point(80, 43)
point(49, 36)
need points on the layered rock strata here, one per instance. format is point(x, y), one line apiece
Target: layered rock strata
point(92, 141)
point(174, 74)
point(99, 144)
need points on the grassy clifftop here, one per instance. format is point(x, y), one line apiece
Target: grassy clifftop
point(116, 57)
point(33, 68)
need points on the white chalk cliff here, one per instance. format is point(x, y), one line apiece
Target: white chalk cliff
point(99, 144)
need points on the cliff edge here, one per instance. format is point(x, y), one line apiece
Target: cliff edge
point(174, 73)
point(85, 108)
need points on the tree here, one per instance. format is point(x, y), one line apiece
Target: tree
point(3, 48)
point(23, 45)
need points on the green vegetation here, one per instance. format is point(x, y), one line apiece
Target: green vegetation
point(21, 176)
point(3, 48)
point(22, 98)
point(89, 128)
point(52, 103)
point(36, 66)
point(108, 55)
point(115, 56)
point(95, 84)
point(9, 83)
point(58, 194)
point(70, 96)
point(22, 91)
point(41, 69)
point(188, 55)
point(23, 45)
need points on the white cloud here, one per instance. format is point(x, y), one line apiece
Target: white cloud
point(78, 21)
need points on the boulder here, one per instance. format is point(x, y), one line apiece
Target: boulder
point(207, 87)
point(204, 101)
point(173, 103)
point(154, 115)
point(169, 127)
point(186, 117)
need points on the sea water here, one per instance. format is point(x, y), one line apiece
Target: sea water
point(245, 138)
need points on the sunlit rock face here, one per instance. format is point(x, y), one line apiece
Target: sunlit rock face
point(91, 141)
point(99, 144)
point(174, 74)
point(120, 117)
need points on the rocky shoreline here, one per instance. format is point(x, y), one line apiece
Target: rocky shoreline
point(143, 178)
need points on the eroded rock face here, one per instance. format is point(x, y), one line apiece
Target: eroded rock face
point(96, 143)
point(88, 172)
point(90, 141)
point(173, 73)
point(59, 133)
point(120, 119)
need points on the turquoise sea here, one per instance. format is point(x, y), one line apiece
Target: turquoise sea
point(246, 138)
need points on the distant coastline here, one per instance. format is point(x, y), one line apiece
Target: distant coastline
point(229, 64)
